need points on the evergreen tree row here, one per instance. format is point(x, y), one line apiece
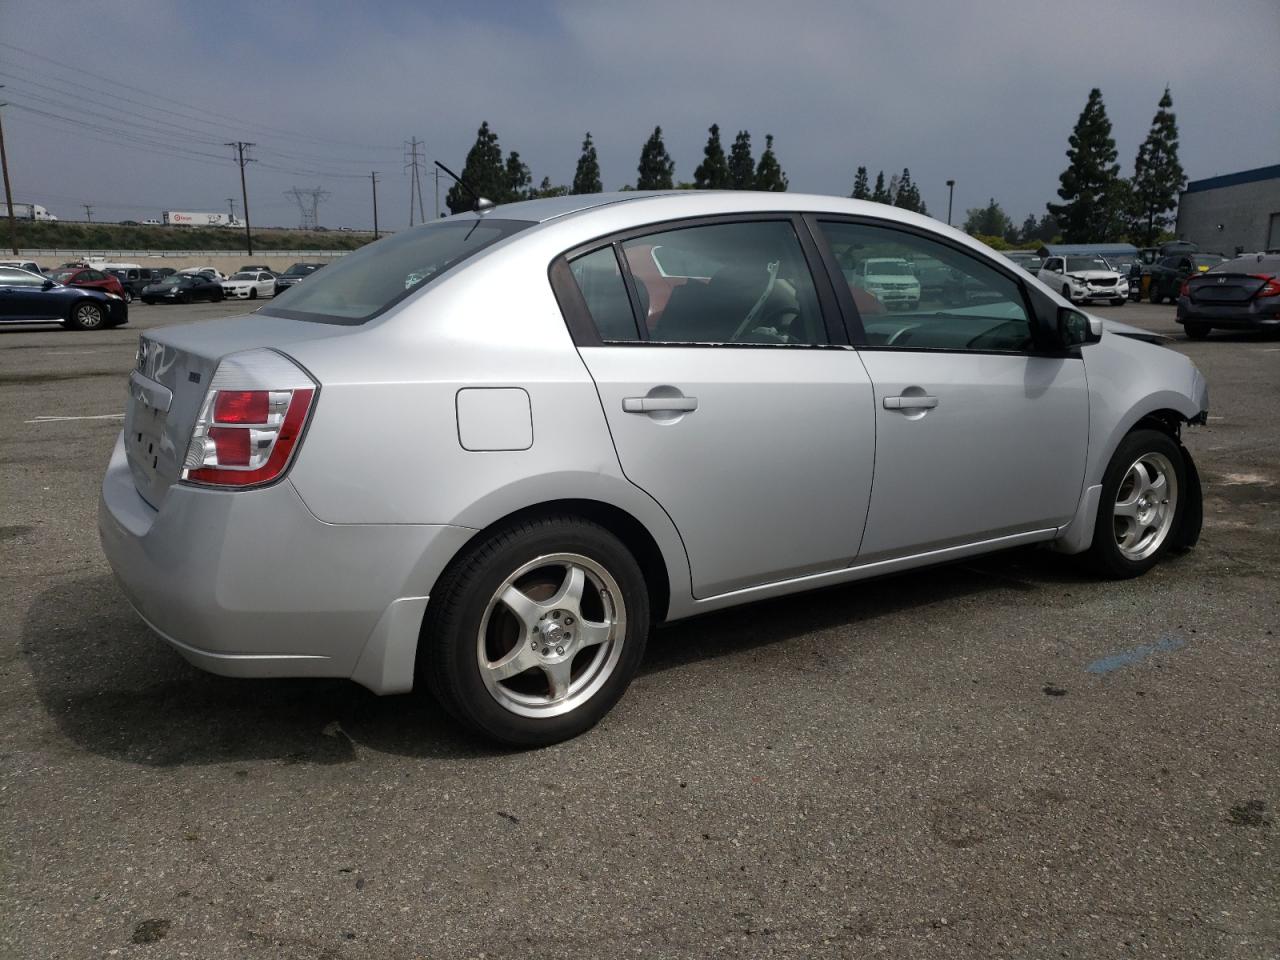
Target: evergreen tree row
point(901, 190)
point(505, 180)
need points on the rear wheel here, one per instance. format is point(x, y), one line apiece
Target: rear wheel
point(1155, 294)
point(87, 315)
point(128, 295)
point(1141, 506)
point(1197, 331)
point(535, 633)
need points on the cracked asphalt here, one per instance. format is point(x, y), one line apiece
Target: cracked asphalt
point(1002, 758)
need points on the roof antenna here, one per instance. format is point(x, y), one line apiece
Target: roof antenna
point(482, 204)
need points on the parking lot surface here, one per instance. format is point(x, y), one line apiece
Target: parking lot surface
point(1004, 757)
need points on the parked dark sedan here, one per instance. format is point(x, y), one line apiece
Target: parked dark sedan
point(1241, 294)
point(294, 275)
point(183, 288)
point(30, 298)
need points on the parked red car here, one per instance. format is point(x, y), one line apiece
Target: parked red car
point(88, 277)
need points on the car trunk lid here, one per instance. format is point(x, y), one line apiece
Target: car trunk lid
point(1224, 287)
point(171, 376)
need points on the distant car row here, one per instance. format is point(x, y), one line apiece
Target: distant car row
point(131, 281)
point(1157, 273)
point(93, 297)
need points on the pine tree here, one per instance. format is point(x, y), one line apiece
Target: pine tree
point(518, 180)
point(547, 189)
point(586, 179)
point(656, 166)
point(713, 172)
point(880, 194)
point(769, 173)
point(860, 189)
point(1028, 232)
point(742, 168)
point(1157, 175)
point(483, 170)
point(908, 195)
point(1088, 213)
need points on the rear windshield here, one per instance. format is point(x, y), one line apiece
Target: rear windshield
point(363, 284)
point(1254, 264)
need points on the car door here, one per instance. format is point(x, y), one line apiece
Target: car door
point(979, 434)
point(22, 296)
point(735, 406)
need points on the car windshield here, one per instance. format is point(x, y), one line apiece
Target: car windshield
point(245, 276)
point(171, 281)
point(1087, 263)
point(365, 283)
point(888, 268)
point(301, 269)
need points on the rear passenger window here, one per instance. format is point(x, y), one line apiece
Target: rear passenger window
point(605, 291)
point(913, 293)
point(726, 283)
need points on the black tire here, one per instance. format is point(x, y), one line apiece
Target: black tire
point(128, 295)
point(87, 315)
point(451, 633)
point(1066, 294)
point(1196, 331)
point(1155, 294)
point(183, 298)
point(148, 301)
point(1118, 302)
point(1105, 555)
point(253, 293)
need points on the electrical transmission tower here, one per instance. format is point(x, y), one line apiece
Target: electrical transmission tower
point(413, 157)
point(308, 202)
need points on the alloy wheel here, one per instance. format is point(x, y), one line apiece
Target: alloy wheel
point(551, 635)
point(1146, 503)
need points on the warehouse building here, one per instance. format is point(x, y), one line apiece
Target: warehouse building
point(1237, 211)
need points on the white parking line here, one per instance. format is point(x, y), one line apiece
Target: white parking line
point(101, 416)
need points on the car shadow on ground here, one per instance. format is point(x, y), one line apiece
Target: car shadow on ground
point(116, 690)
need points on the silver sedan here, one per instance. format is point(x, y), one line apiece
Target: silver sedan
point(488, 453)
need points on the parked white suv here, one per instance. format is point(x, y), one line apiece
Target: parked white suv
point(1081, 279)
point(890, 279)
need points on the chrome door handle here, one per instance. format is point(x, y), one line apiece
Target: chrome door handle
point(652, 404)
point(910, 403)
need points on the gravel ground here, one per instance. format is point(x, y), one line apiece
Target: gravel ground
point(1003, 758)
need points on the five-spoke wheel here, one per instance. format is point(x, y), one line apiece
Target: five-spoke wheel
point(1141, 504)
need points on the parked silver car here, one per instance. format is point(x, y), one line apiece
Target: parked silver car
point(588, 414)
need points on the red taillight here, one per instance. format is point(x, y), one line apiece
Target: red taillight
point(1185, 289)
point(1270, 286)
point(251, 421)
point(242, 406)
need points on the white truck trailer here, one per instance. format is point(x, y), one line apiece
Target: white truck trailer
point(28, 211)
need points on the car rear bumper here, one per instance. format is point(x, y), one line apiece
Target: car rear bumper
point(1255, 315)
point(251, 584)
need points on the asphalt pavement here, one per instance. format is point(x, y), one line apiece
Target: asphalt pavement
point(1002, 758)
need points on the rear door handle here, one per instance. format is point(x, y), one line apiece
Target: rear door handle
point(651, 404)
point(910, 403)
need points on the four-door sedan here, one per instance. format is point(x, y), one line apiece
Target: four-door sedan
point(250, 285)
point(1081, 279)
point(89, 278)
point(27, 297)
point(295, 274)
point(1168, 275)
point(183, 288)
point(497, 479)
point(1240, 294)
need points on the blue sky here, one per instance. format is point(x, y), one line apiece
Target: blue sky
point(982, 93)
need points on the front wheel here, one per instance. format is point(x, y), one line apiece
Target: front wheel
point(1155, 294)
point(128, 295)
point(253, 294)
point(1066, 294)
point(1197, 331)
point(87, 315)
point(535, 633)
point(1141, 505)
point(1118, 302)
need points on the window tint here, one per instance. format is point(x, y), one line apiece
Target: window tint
point(605, 290)
point(19, 278)
point(948, 300)
point(362, 284)
point(748, 283)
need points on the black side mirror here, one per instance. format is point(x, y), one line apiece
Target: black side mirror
point(1076, 329)
point(47, 285)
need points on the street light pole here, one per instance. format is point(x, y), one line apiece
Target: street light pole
point(951, 189)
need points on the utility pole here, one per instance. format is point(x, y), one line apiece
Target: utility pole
point(88, 211)
point(951, 189)
point(231, 205)
point(373, 178)
point(8, 193)
point(436, 171)
point(241, 147)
